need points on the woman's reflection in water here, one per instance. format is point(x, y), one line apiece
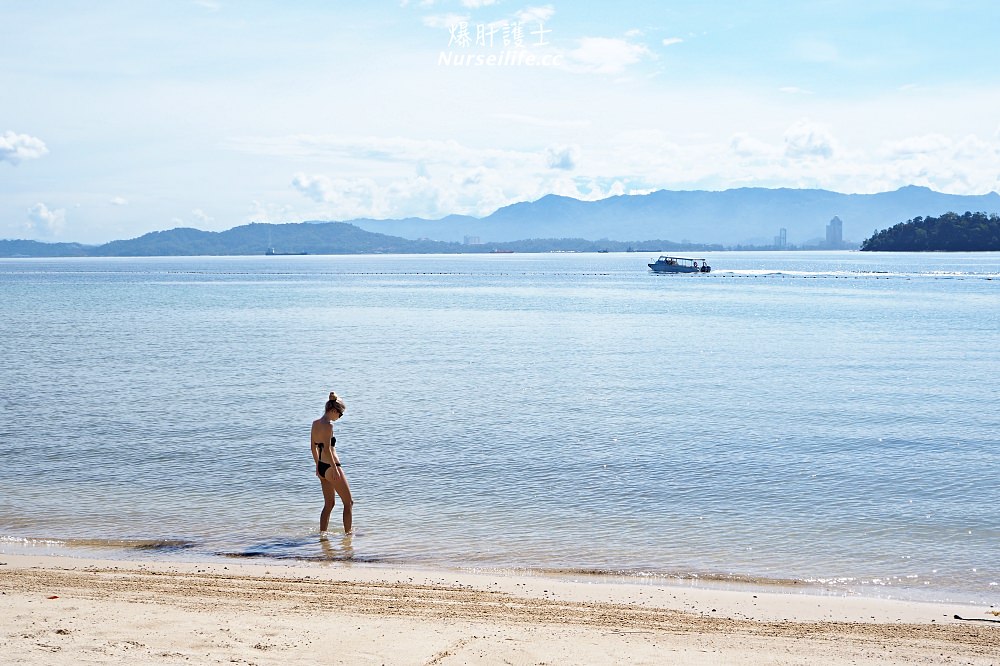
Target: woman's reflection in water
point(345, 553)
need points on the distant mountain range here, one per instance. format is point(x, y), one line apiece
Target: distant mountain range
point(249, 239)
point(747, 216)
point(677, 220)
point(308, 238)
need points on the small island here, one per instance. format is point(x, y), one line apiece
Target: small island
point(969, 232)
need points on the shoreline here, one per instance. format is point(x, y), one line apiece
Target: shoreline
point(140, 552)
point(168, 612)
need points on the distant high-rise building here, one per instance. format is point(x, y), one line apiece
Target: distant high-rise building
point(472, 240)
point(835, 233)
point(782, 238)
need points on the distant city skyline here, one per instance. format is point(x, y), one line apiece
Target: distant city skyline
point(121, 118)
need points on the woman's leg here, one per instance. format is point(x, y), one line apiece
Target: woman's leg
point(329, 500)
point(344, 490)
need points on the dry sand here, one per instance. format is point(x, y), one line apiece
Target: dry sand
point(57, 610)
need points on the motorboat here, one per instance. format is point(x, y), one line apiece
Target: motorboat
point(667, 264)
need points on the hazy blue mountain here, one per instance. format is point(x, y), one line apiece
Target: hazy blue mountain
point(250, 239)
point(310, 238)
point(30, 248)
point(729, 217)
point(685, 220)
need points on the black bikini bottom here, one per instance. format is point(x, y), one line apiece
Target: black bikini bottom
point(321, 467)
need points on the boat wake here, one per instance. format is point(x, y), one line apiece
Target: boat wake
point(853, 275)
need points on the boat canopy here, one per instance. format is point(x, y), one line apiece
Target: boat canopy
point(667, 259)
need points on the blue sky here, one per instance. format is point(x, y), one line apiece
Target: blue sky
point(120, 118)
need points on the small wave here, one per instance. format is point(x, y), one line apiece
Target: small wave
point(164, 545)
point(341, 556)
point(154, 545)
point(30, 541)
point(708, 577)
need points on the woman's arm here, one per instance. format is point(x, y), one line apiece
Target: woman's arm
point(312, 444)
point(313, 448)
point(336, 461)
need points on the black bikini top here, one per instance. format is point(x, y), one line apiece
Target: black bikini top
point(333, 443)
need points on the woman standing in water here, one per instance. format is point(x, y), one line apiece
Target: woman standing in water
point(328, 469)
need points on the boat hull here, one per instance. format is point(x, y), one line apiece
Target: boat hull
point(660, 268)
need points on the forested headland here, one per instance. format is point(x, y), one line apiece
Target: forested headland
point(951, 232)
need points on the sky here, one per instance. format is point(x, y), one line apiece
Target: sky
point(120, 118)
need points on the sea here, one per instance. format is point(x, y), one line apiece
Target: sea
point(821, 421)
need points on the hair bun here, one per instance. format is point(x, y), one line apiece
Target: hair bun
point(333, 395)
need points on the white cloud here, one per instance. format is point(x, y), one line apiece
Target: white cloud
point(971, 147)
point(746, 146)
point(805, 139)
point(794, 90)
point(444, 20)
point(398, 150)
point(562, 157)
point(476, 4)
point(536, 15)
point(918, 145)
point(809, 156)
point(210, 5)
point(354, 197)
point(259, 212)
point(460, 180)
point(467, 184)
point(202, 216)
point(670, 41)
point(349, 198)
point(118, 201)
point(16, 147)
point(478, 191)
point(607, 55)
point(451, 177)
point(44, 221)
point(317, 188)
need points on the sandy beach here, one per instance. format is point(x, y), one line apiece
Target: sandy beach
point(59, 610)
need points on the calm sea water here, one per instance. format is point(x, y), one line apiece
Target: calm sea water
point(824, 417)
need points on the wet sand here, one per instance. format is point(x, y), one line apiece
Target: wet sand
point(59, 610)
